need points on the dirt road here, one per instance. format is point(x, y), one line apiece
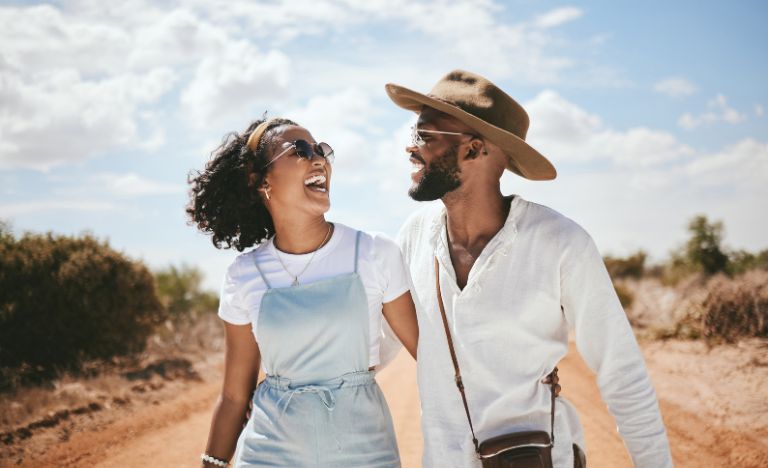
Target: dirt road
point(173, 433)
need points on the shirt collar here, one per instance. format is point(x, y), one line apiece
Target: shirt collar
point(505, 235)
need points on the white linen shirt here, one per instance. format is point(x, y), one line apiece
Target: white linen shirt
point(539, 276)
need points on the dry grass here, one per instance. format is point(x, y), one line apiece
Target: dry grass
point(715, 309)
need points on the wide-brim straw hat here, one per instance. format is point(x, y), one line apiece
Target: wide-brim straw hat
point(488, 110)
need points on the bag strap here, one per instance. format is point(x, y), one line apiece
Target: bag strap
point(457, 377)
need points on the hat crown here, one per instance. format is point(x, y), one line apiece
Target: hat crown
point(476, 95)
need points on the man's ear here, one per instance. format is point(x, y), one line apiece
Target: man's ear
point(475, 147)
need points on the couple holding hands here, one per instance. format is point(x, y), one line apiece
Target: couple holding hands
point(483, 290)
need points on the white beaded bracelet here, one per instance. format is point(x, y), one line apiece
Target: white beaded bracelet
point(207, 458)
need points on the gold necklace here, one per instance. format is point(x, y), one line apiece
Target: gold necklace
point(296, 277)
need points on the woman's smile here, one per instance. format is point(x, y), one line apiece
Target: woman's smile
point(316, 183)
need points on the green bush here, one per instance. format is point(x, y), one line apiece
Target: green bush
point(179, 290)
point(629, 267)
point(67, 299)
point(742, 261)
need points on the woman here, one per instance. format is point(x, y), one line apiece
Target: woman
point(306, 305)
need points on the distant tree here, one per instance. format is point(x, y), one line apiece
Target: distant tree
point(704, 251)
point(628, 267)
point(180, 291)
point(742, 261)
point(6, 229)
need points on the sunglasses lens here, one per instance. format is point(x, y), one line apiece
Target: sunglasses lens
point(303, 149)
point(325, 150)
point(416, 138)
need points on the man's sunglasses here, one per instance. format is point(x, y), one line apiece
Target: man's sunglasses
point(418, 140)
point(307, 150)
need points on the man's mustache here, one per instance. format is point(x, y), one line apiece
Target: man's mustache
point(418, 157)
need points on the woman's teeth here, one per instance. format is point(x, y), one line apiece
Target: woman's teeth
point(316, 183)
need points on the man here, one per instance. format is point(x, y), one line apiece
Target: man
point(515, 276)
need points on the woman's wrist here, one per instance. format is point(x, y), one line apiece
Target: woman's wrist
point(209, 460)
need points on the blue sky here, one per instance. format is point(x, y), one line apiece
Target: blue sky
point(652, 112)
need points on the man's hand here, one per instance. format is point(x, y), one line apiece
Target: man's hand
point(553, 379)
point(248, 412)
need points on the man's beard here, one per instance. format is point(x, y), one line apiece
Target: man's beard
point(441, 177)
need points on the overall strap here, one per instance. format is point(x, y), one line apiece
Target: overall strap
point(263, 276)
point(357, 248)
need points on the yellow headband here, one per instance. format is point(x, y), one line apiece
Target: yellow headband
point(253, 140)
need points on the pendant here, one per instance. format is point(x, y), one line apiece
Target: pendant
point(295, 281)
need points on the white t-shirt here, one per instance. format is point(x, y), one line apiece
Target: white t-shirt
point(380, 266)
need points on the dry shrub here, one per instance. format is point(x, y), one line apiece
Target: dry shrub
point(625, 295)
point(716, 309)
point(736, 308)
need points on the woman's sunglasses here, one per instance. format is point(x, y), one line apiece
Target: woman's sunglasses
point(307, 150)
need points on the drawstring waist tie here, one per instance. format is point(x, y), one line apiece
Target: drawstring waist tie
point(323, 389)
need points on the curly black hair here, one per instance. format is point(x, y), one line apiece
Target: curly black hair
point(222, 202)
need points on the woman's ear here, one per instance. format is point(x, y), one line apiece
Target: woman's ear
point(265, 187)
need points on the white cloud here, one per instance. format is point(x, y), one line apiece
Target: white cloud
point(654, 184)
point(558, 17)
point(134, 185)
point(648, 207)
point(25, 208)
point(566, 133)
point(234, 82)
point(743, 164)
point(759, 111)
point(524, 51)
point(85, 77)
point(675, 87)
point(343, 120)
point(58, 117)
point(719, 111)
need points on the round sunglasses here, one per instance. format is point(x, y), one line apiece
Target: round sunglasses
point(307, 150)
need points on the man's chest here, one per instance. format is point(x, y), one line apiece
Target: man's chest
point(510, 288)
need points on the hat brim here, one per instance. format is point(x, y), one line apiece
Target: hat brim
point(523, 159)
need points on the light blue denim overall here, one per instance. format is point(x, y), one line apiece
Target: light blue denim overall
point(321, 406)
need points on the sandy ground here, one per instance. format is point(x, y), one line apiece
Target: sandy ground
point(713, 403)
